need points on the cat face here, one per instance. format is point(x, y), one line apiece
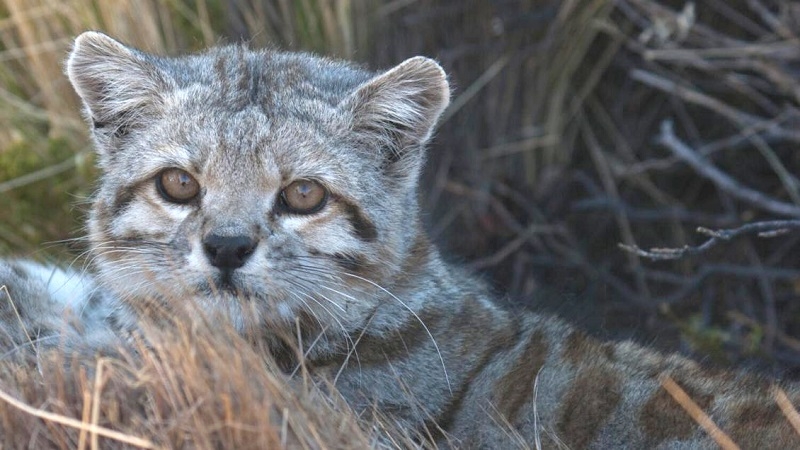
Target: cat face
point(273, 187)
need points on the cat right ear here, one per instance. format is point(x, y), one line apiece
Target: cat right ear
point(118, 84)
point(398, 109)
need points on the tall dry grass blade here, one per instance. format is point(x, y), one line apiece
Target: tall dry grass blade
point(85, 417)
point(99, 380)
point(697, 413)
point(42, 41)
point(786, 407)
point(77, 424)
point(204, 23)
point(573, 35)
point(344, 20)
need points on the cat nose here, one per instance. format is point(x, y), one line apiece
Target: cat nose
point(228, 252)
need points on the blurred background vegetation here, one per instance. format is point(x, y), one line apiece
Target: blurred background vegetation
point(551, 154)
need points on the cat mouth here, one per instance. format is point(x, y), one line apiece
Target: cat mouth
point(225, 282)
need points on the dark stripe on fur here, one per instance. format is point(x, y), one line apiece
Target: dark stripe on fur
point(587, 405)
point(751, 420)
point(662, 418)
point(579, 348)
point(399, 343)
point(19, 271)
point(122, 198)
point(515, 388)
point(362, 227)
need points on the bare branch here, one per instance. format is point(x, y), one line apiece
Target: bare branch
point(762, 229)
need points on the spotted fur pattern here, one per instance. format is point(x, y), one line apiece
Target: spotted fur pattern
point(375, 308)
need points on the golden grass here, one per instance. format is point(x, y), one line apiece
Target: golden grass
point(188, 386)
point(36, 34)
point(92, 428)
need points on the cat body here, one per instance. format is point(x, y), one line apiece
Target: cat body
point(45, 306)
point(279, 190)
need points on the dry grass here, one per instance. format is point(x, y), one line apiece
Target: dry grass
point(189, 387)
point(36, 35)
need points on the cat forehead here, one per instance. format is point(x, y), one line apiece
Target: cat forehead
point(273, 81)
point(301, 136)
point(260, 100)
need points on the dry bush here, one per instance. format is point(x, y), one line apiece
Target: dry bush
point(724, 74)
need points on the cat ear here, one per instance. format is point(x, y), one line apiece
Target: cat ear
point(398, 109)
point(118, 85)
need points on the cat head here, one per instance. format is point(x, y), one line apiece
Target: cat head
point(273, 186)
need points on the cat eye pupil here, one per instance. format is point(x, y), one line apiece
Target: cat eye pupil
point(177, 186)
point(304, 196)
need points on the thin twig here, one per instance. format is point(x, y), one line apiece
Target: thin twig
point(675, 213)
point(623, 223)
point(96, 395)
point(693, 96)
point(763, 229)
point(738, 117)
point(85, 414)
point(770, 19)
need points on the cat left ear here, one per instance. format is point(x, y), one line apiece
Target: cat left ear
point(118, 85)
point(399, 108)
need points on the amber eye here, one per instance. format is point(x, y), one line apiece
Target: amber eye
point(304, 197)
point(177, 186)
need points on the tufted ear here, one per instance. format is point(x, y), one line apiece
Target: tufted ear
point(398, 109)
point(119, 85)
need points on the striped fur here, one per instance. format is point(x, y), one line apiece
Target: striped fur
point(401, 333)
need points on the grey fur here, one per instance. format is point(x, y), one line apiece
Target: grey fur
point(44, 306)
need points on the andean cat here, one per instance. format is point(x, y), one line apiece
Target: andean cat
point(279, 190)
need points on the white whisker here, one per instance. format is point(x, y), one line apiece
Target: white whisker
point(435, 345)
